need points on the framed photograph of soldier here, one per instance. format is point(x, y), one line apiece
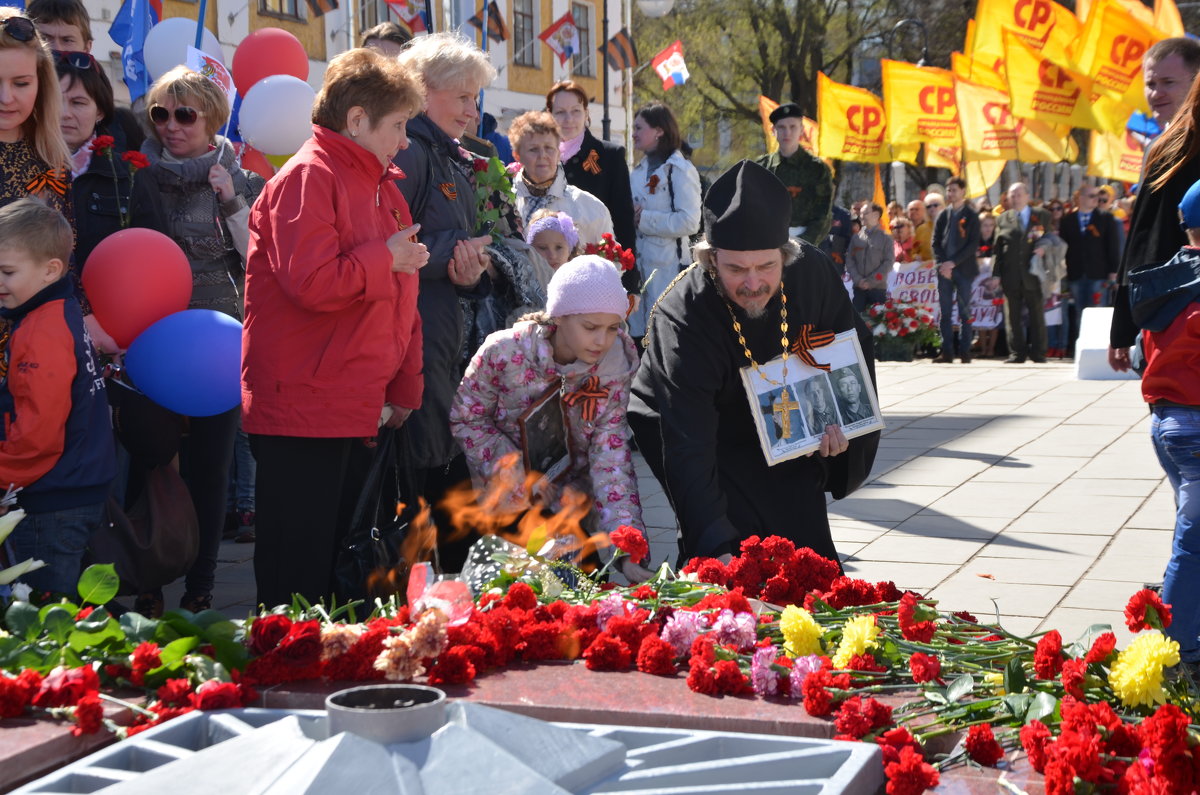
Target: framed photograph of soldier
point(545, 448)
point(791, 413)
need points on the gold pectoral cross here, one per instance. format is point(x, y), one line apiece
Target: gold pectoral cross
point(784, 407)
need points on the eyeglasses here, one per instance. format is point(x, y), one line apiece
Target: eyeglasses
point(183, 114)
point(19, 28)
point(933, 206)
point(80, 61)
point(1103, 200)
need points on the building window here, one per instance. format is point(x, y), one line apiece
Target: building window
point(526, 45)
point(583, 63)
point(281, 8)
point(370, 14)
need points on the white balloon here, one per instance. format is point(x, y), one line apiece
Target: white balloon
point(276, 114)
point(167, 45)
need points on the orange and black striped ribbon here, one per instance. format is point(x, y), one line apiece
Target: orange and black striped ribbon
point(52, 179)
point(587, 397)
point(807, 340)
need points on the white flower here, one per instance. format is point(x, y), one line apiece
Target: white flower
point(21, 592)
point(8, 521)
point(24, 567)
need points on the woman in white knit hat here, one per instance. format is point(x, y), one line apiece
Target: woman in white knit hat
point(577, 354)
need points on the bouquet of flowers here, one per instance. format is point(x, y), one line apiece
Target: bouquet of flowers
point(103, 146)
point(904, 319)
point(612, 251)
point(493, 191)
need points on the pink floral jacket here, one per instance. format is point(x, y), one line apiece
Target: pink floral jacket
point(516, 366)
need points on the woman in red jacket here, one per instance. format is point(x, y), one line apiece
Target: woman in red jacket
point(332, 341)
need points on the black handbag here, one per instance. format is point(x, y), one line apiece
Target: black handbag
point(369, 562)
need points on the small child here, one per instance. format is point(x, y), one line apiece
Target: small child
point(56, 441)
point(554, 236)
point(579, 347)
point(1165, 302)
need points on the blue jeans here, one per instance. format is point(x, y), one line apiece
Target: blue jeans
point(59, 538)
point(1176, 436)
point(1083, 294)
point(960, 283)
point(241, 475)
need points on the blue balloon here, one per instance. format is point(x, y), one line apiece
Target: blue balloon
point(189, 362)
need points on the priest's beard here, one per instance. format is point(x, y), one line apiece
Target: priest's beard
point(754, 311)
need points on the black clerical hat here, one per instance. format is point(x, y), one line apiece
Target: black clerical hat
point(789, 111)
point(747, 209)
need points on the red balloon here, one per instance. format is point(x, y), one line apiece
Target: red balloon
point(133, 279)
point(257, 162)
point(266, 52)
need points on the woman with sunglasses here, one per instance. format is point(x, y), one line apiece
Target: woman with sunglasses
point(33, 157)
point(101, 182)
point(194, 192)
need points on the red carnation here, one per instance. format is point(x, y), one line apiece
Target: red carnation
point(730, 679)
point(144, 659)
point(818, 701)
point(858, 717)
point(1073, 673)
point(1102, 648)
point(1047, 658)
point(1060, 778)
point(454, 666)
point(217, 695)
point(1034, 737)
point(267, 631)
point(982, 746)
point(643, 592)
point(712, 571)
point(176, 692)
point(302, 644)
point(64, 687)
point(608, 653)
point(541, 640)
point(893, 741)
point(910, 627)
point(89, 715)
point(631, 541)
point(101, 144)
point(1146, 610)
point(136, 160)
point(910, 775)
point(656, 656)
point(17, 692)
point(925, 668)
point(521, 597)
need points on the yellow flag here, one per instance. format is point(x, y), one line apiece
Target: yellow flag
point(967, 68)
point(1043, 90)
point(1045, 26)
point(948, 157)
point(919, 103)
point(981, 175)
point(1167, 19)
point(989, 130)
point(1115, 156)
point(1110, 49)
point(809, 141)
point(765, 108)
point(879, 198)
point(969, 39)
point(853, 126)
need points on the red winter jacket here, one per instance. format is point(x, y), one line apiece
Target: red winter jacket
point(331, 333)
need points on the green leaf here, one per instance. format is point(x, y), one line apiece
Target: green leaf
point(935, 696)
point(58, 623)
point(1014, 676)
point(99, 583)
point(80, 640)
point(138, 628)
point(231, 654)
point(1017, 704)
point(1044, 704)
point(176, 650)
point(95, 621)
point(22, 620)
point(960, 687)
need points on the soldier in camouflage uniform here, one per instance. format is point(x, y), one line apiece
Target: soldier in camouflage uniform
point(807, 178)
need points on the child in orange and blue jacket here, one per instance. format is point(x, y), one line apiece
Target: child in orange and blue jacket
point(56, 442)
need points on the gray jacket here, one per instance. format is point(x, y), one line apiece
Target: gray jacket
point(441, 197)
point(871, 254)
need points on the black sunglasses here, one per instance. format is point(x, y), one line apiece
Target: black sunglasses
point(79, 61)
point(19, 28)
point(183, 114)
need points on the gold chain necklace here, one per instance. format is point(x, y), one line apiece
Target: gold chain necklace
point(783, 330)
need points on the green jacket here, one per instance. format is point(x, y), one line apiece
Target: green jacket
point(810, 182)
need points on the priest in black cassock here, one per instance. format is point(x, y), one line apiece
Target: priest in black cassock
point(688, 409)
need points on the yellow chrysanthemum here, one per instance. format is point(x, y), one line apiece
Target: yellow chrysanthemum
point(1137, 675)
point(801, 632)
point(858, 635)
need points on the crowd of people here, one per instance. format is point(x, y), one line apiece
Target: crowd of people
point(381, 299)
